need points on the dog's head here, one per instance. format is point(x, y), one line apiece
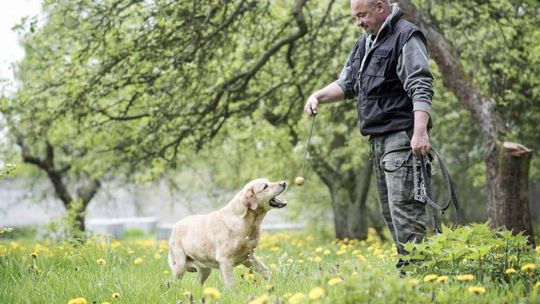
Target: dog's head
point(262, 194)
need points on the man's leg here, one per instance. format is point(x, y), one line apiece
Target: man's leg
point(377, 149)
point(409, 216)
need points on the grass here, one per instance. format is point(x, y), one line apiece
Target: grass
point(306, 267)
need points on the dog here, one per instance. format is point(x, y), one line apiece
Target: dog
point(226, 237)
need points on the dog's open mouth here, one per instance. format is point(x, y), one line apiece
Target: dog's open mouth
point(278, 203)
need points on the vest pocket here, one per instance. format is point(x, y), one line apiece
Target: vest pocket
point(378, 63)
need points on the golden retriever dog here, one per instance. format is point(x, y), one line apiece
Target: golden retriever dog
point(227, 237)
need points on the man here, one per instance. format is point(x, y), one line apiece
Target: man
point(388, 72)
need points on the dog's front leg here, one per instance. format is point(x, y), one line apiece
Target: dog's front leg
point(226, 267)
point(253, 263)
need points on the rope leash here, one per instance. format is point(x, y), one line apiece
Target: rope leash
point(307, 145)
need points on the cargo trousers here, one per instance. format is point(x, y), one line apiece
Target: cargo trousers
point(405, 217)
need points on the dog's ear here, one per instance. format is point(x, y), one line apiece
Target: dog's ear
point(249, 199)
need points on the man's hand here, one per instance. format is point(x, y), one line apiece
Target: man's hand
point(329, 93)
point(420, 138)
point(420, 143)
point(311, 106)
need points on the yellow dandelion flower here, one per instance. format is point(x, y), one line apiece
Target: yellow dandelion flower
point(537, 285)
point(326, 252)
point(101, 262)
point(413, 282)
point(3, 250)
point(334, 281)
point(319, 249)
point(157, 256)
point(296, 298)
point(430, 277)
point(528, 267)
point(34, 255)
point(115, 295)
point(465, 277)
point(130, 252)
point(105, 303)
point(317, 259)
point(510, 271)
point(341, 252)
point(442, 279)
point(14, 245)
point(250, 277)
point(477, 289)
point(316, 293)
point(260, 300)
point(361, 258)
point(269, 287)
point(537, 249)
point(78, 301)
point(138, 261)
point(212, 292)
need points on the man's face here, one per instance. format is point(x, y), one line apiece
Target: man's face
point(369, 17)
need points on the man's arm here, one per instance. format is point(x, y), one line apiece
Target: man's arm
point(413, 71)
point(330, 93)
point(344, 87)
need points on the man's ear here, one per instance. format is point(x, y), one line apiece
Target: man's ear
point(249, 199)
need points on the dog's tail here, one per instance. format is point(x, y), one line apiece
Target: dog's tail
point(177, 257)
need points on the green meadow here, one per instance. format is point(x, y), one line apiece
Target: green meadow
point(472, 264)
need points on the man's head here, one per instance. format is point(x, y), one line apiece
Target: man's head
point(370, 14)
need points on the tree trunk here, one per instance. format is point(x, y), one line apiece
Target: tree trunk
point(348, 192)
point(509, 190)
point(56, 176)
point(507, 176)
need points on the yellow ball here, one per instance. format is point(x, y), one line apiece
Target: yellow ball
point(299, 181)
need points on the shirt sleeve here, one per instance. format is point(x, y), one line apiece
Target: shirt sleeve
point(348, 77)
point(413, 71)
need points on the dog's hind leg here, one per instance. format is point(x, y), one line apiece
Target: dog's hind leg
point(202, 274)
point(177, 260)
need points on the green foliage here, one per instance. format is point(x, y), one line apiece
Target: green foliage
point(138, 89)
point(67, 227)
point(7, 170)
point(5, 230)
point(485, 253)
point(20, 233)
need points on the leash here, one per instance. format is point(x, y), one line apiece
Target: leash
point(422, 190)
point(307, 145)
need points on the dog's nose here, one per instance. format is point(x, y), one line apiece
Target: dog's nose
point(283, 184)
